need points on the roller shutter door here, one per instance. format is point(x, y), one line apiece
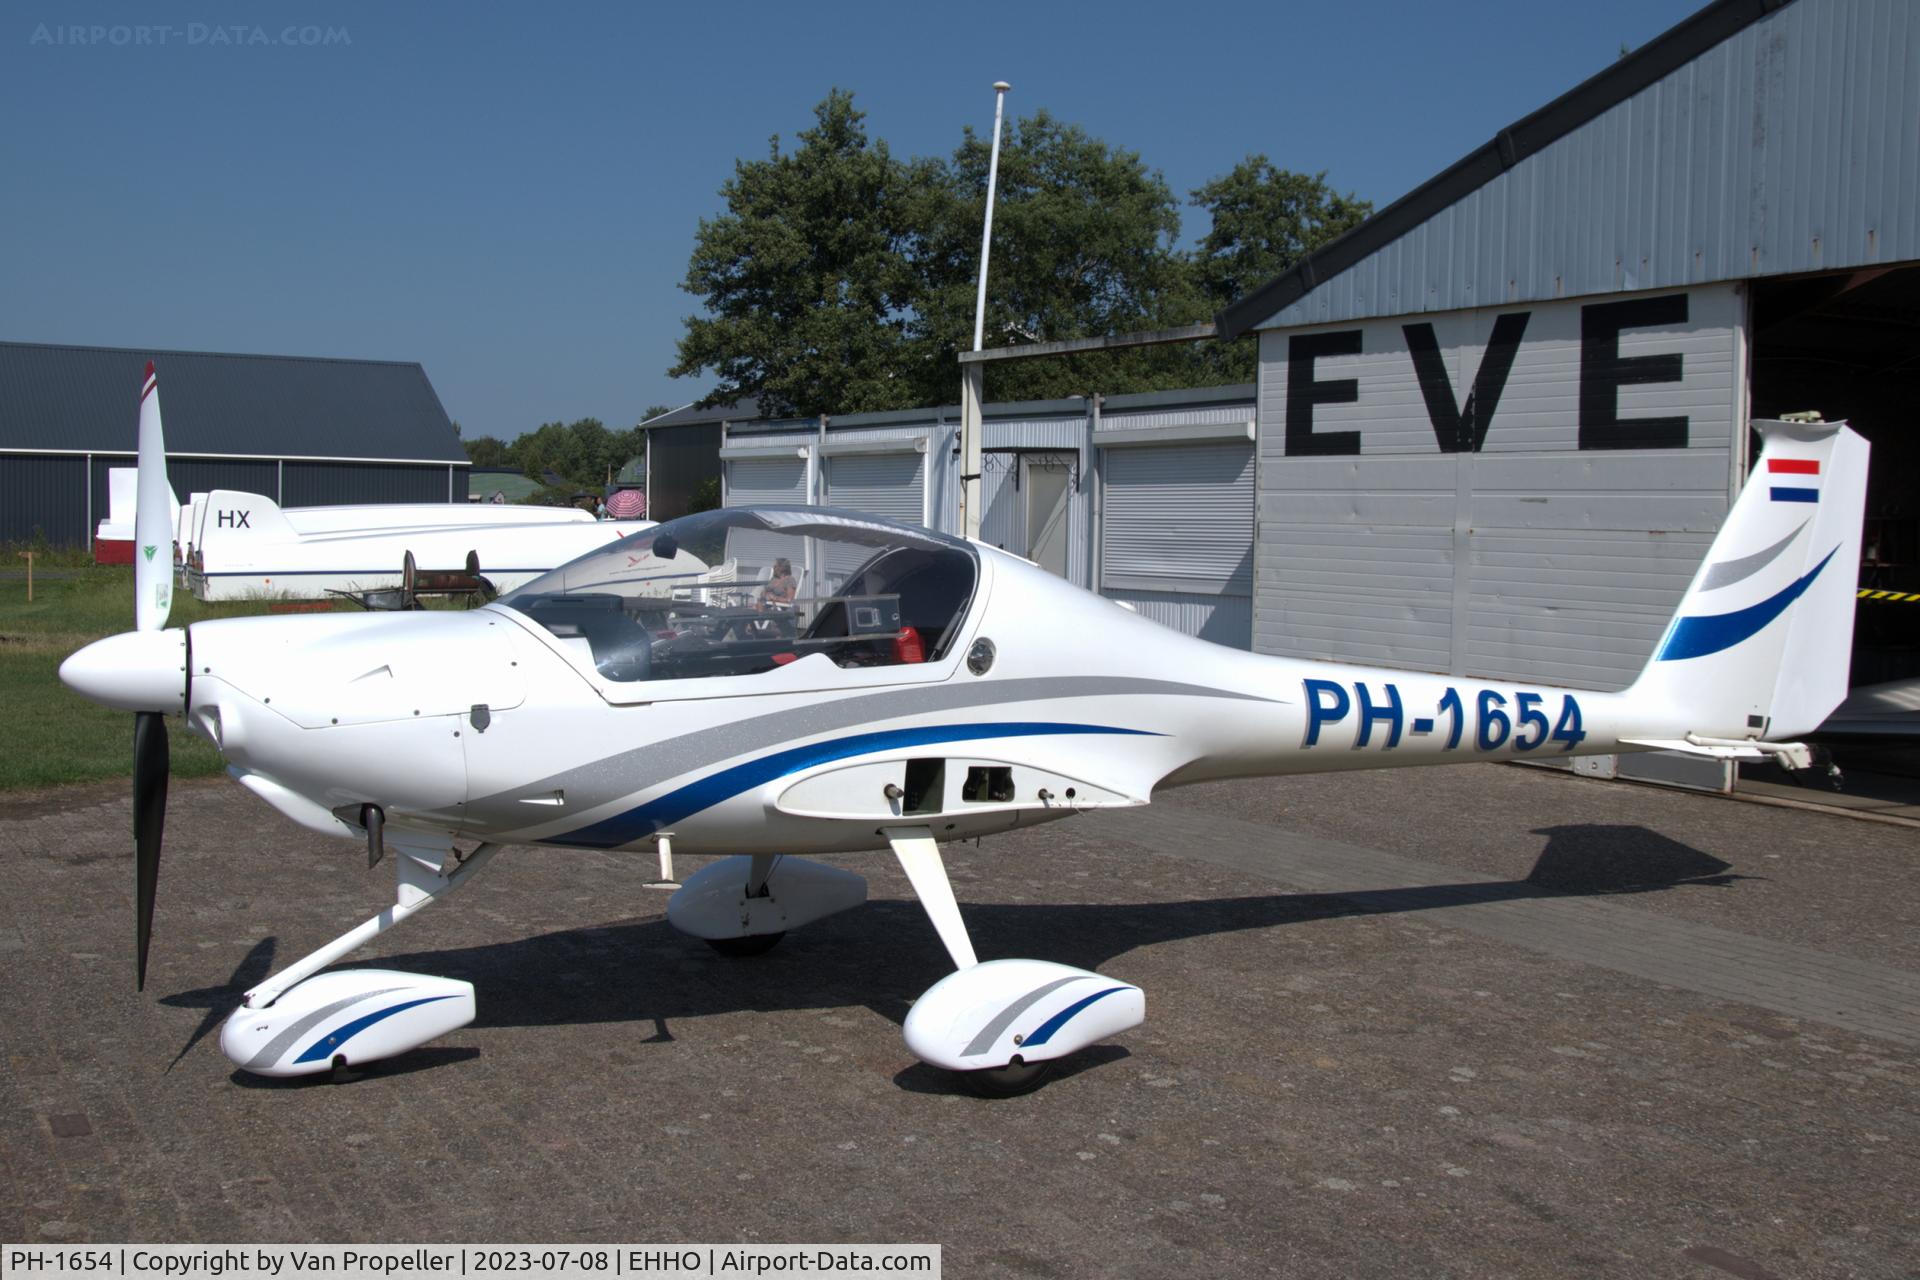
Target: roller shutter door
point(878, 484)
point(755, 482)
point(1178, 517)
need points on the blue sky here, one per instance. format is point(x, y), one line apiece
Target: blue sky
point(509, 194)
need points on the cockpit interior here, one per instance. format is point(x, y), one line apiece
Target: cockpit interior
point(743, 591)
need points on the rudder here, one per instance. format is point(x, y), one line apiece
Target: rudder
point(1761, 644)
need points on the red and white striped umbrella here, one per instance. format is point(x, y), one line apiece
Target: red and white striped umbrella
point(627, 504)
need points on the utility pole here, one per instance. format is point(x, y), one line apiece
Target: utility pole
point(973, 377)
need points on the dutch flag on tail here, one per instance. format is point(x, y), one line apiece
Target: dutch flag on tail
point(1800, 475)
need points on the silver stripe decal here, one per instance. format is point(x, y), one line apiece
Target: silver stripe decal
point(628, 773)
point(284, 1041)
point(1728, 572)
point(1004, 1019)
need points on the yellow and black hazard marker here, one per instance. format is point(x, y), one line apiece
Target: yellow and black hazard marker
point(1908, 597)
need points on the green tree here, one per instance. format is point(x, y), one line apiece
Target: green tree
point(841, 279)
point(578, 452)
point(1265, 220)
point(1083, 244)
point(488, 451)
point(705, 496)
point(804, 277)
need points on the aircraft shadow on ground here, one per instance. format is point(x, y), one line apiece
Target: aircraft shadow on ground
point(646, 971)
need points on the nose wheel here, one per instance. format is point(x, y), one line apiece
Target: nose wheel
point(1010, 1081)
point(1002, 1026)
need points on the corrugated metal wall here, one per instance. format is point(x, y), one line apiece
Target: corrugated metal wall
point(317, 484)
point(1553, 553)
point(204, 475)
point(1226, 620)
point(44, 496)
point(1788, 147)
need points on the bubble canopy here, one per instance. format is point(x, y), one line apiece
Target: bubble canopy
point(744, 590)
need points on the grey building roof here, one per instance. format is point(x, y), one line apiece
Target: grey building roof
point(1526, 137)
point(69, 399)
point(693, 415)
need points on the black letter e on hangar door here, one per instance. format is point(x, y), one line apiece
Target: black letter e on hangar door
point(1303, 392)
point(1603, 371)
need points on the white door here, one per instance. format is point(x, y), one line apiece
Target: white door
point(1045, 480)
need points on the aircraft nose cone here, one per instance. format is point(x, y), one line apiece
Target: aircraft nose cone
point(133, 671)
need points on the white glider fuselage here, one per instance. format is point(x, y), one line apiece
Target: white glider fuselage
point(486, 725)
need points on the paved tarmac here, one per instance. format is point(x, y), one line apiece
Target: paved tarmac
point(1469, 1021)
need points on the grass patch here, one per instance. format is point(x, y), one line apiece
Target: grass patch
point(55, 735)
point(44, 557)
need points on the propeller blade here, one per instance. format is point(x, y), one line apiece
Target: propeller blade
point(153, 516)
point(149, 817)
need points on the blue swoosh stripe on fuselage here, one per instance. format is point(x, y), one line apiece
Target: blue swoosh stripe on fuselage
point(663, 812)
point(1699, 636)
point(1046, 1029)
point(328, 1044)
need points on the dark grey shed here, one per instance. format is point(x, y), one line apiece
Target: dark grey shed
point(301, 430)
point(683, 450)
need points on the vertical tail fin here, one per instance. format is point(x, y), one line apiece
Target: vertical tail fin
point(230, 517)
point(1763, 639)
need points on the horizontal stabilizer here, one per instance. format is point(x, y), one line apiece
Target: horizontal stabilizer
point(1788, 755)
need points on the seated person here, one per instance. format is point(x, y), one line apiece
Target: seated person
point(781, 587)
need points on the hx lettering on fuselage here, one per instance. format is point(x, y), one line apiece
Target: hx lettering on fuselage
point(774, 684)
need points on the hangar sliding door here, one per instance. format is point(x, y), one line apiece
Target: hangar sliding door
point(1176, 534)
point(1517, 493)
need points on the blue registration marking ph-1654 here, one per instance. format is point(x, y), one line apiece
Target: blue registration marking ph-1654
point(1497, 724)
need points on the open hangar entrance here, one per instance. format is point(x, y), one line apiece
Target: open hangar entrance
point(1846, 344)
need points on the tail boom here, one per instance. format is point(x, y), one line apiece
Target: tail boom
point(1759, 650)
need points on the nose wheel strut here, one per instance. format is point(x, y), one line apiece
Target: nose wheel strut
point(1001, 1026)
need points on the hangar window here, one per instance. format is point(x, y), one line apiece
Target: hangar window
point(748, 589)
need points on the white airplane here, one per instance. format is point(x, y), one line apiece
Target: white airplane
point(244, 545)
point(918, 688)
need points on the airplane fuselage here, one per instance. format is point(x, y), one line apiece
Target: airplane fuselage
point(485, 725)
